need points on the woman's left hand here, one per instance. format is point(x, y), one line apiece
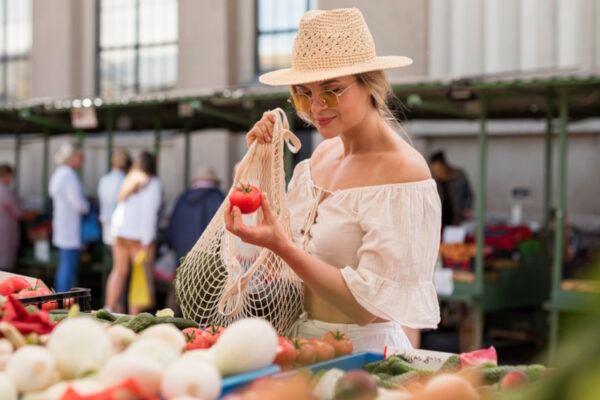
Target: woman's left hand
point(268, 234)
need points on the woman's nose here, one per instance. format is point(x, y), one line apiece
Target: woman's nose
point(317, 104)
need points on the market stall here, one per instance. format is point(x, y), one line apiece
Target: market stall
point(570, 97)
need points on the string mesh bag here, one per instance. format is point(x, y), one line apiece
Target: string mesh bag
point(223, 279)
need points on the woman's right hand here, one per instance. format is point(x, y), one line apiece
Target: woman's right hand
point(262, 130)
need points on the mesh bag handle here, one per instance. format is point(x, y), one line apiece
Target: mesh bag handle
point(223, 279)
point(231, 302)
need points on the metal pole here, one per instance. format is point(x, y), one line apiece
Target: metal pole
point(157, 128)
point(80, 139)
point(109, 139)
point(560, 190)
point(548, 173)
point(45, 167)
point(480, 199)
point(186, 160)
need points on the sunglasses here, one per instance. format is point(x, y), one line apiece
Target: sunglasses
point(329, 98)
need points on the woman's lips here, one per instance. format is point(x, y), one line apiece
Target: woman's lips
point(324, 121)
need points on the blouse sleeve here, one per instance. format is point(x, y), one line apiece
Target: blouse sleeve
point(394, 276)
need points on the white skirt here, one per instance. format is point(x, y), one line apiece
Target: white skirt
point(373, 337)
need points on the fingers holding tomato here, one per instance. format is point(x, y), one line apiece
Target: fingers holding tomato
point(262, 129)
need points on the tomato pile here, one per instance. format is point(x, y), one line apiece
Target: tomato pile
point(21, 289)
point(301, 352)
point(198, 338)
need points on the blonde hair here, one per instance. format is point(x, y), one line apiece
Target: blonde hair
point(381, 95)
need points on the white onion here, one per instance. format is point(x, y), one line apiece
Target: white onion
point(31, 368)
point(154, 349)
point(79, 346)
point(191, 378)
point(8, 390)
point(246, 345)
point(168, 333)
point(145, 371)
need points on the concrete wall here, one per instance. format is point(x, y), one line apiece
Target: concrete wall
point(472, 37)
point(398, 28)
point(63, 48)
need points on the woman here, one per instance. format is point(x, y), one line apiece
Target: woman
point(133, 226)
point(365, 213)
point(69, 205)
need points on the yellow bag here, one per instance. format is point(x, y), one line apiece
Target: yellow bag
point(138, 286)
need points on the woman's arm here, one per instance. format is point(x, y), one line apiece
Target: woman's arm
point(324, 279)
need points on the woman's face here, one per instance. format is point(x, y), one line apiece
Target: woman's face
point(354, 101)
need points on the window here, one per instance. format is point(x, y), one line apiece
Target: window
point(15, 47)
point(277, 24)
point(137, 46)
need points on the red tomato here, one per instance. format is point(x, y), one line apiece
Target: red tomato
point(286, 353)
point(246, 197)
point(6, 287)
point(27, 293)
point(19, 283)
point(50, 305)
point(212, 333)
point(340, 342)
point(305, 352)
point(43, 291)
point(324, 350)
point(68, 302)
point(13, 284)
point(194, 339)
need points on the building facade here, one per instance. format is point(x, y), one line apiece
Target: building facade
point(74, 44)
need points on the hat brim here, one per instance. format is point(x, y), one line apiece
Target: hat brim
point(290, 76)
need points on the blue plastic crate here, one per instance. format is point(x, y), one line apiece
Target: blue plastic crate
point(235, 381)
point(346, 363)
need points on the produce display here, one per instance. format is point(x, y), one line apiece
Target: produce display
point(100, 355)
point(468, 376)
point(70, 354)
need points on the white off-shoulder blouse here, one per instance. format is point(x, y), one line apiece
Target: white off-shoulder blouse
point(384, 238)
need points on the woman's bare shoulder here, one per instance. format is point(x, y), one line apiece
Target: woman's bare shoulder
point(405, 166)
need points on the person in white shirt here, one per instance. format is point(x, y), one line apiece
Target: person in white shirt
point(69, 204)
point(108, 191)
point(133, 225)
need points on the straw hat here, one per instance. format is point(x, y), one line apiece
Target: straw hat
point(331, 44)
